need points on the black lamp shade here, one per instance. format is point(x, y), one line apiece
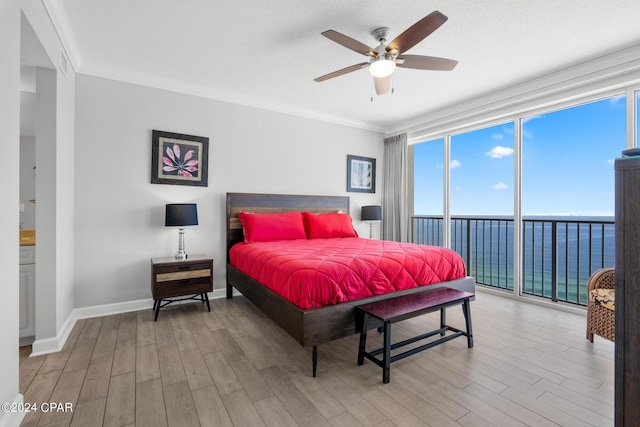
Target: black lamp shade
point(181, 214)
point(371, 213)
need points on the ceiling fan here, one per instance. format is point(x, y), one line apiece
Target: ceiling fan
point(384, 58)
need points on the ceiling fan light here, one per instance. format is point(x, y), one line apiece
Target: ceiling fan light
point(382, 67)
point(382, 84)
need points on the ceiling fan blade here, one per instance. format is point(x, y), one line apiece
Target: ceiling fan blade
point(382, 84)
point(417, 32)
point(419, 62)
point(342, 71)
point(347, 42)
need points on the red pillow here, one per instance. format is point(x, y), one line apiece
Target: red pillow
point(263, 227)
point(324, 226)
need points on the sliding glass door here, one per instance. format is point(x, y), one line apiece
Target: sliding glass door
point(481, 170)
point(428, 192)
point(568, 196)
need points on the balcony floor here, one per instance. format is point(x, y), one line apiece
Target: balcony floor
point(530, 365)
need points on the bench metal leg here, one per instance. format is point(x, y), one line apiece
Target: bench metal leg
point(363, 339)
point(314, 359)
point(386, 360)
point(443, 320)
point(466, 310)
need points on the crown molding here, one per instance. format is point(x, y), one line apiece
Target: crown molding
point(597, 75)
point(58, 18)
point(148, 80)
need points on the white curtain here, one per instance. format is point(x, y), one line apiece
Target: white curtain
point(394, 189)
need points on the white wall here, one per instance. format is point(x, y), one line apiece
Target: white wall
point(46, 195)
point(119, 215)
point(28, 181)
point(54, 177)
point(64, 196)
point(9, 194)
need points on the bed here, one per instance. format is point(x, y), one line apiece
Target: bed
point(312, 326)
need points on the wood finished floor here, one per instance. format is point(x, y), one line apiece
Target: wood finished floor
point(530, 366)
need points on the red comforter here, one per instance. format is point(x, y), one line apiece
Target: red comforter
point(318, 272)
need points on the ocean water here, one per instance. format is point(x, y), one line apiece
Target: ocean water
point(582, 245)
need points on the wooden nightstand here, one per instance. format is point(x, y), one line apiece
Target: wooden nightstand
point(171, 279)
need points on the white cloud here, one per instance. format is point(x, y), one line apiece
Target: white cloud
point(499, 152)
point(617, 100)
point(500, 186)
point(528, 132)
point(455, 164)
point(528, 119)
point(497, 136)
point(611, 161)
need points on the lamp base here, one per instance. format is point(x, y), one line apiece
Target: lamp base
point(181, 255)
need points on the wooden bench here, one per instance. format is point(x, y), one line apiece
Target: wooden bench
point(406, 307)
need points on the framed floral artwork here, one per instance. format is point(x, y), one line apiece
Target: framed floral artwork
point(179, 159)
point(361, 174)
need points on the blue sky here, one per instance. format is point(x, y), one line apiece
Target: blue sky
point(567, 165)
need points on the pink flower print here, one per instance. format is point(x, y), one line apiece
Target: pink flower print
point(181, 167)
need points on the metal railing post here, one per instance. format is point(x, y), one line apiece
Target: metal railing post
point(469, 245)
point(554, 261)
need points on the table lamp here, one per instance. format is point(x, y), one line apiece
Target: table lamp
point(371, 214)
point(181, 215)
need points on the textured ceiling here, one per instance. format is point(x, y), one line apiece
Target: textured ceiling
point(267, 53)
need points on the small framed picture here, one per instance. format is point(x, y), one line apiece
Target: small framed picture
point(179, 159)
point(361, 174)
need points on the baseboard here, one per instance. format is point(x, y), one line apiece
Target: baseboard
point(52, 345)
point(13, 418)
point(114, 308)
point(26, 340)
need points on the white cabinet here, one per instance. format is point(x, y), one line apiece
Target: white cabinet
point(27, 292)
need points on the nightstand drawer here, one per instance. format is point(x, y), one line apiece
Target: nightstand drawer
point(188, 286)
point(183, 266)
point(182, 275)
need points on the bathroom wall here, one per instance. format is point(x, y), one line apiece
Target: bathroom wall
point(27, 182)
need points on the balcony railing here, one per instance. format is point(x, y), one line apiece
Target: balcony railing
point(558, 253)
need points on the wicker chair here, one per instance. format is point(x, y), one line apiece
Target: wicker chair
point(601, 304)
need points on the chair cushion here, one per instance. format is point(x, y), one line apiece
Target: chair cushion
point(603, 297)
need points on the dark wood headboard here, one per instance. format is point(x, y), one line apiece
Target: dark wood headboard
point(264, 203)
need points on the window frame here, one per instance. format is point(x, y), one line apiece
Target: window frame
point(632, 93)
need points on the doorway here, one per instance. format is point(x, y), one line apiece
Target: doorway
point(38, 87)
